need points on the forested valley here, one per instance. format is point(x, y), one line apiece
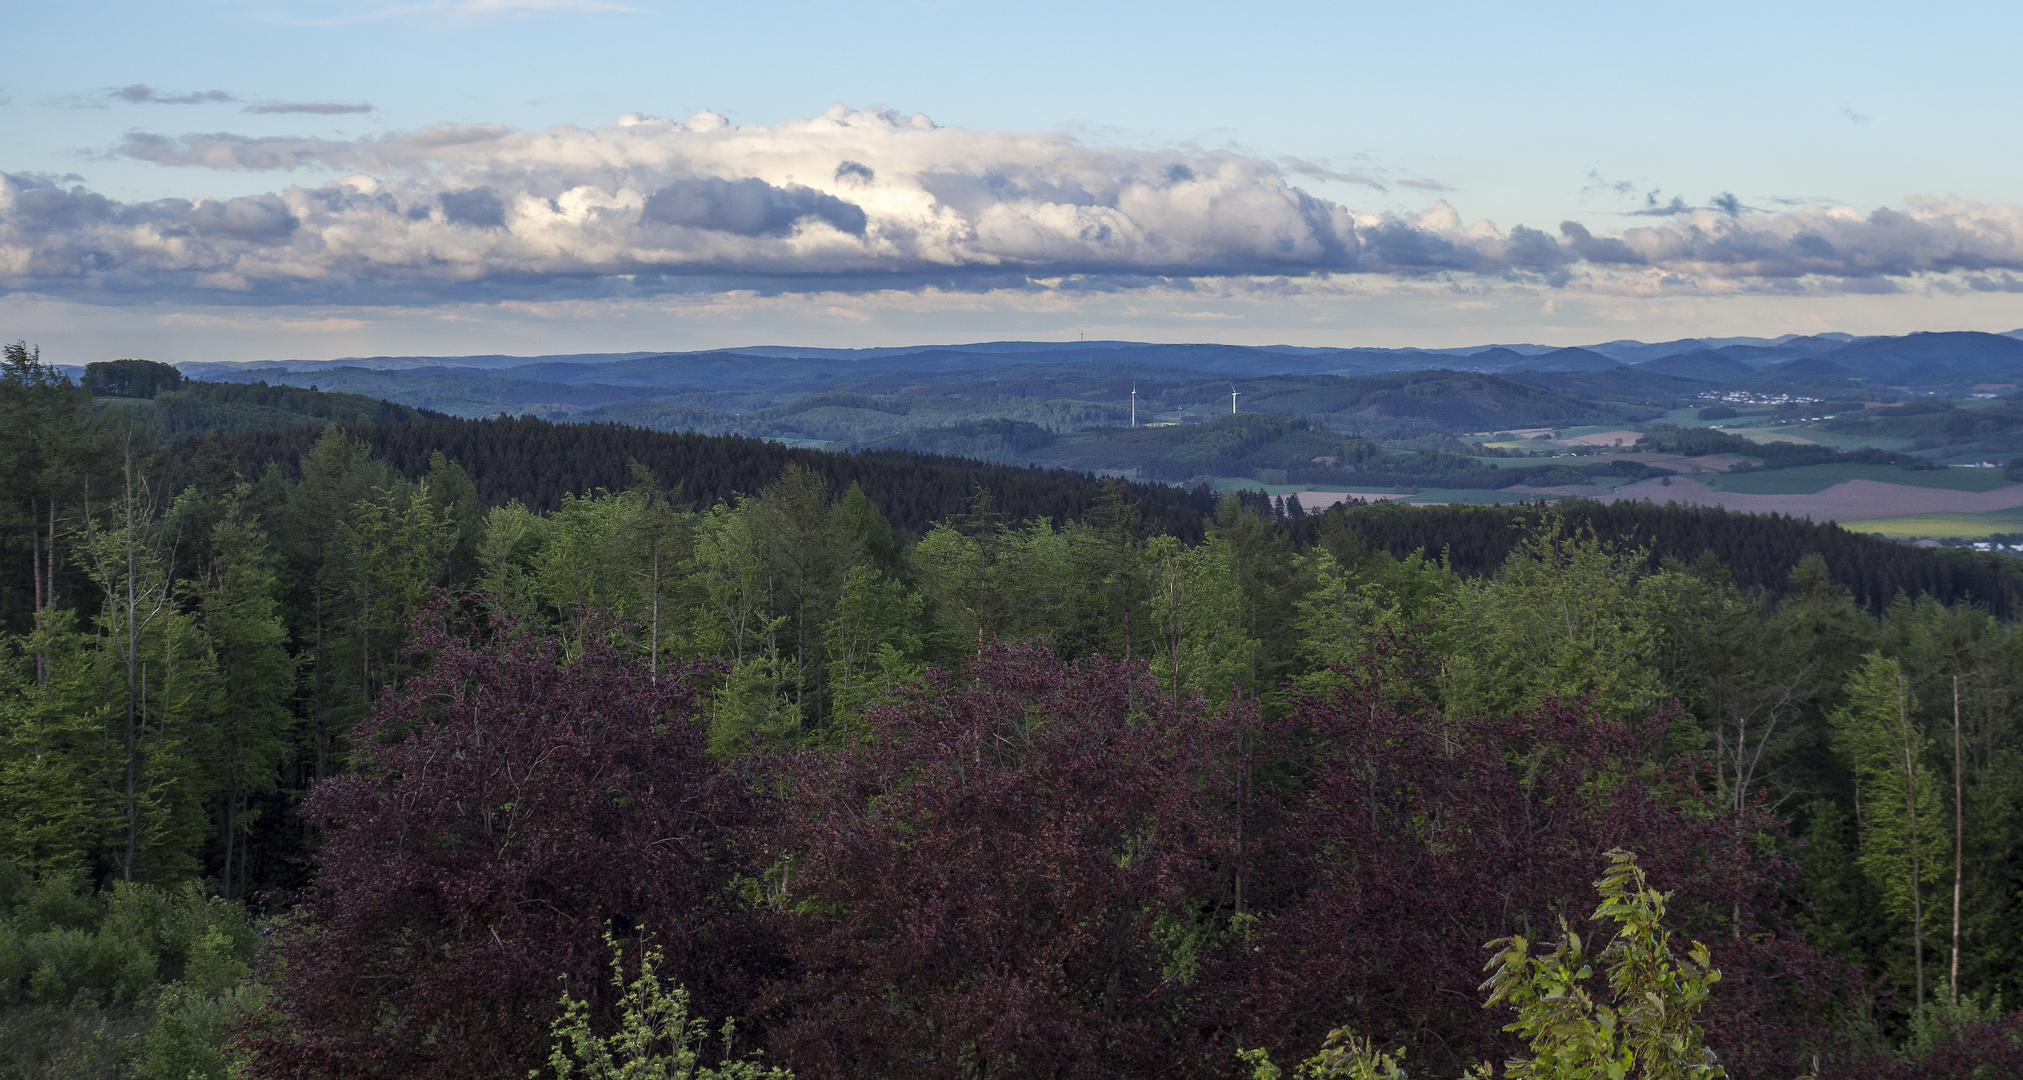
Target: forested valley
point(394, 746)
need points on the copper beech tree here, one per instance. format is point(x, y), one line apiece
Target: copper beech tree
point(1007, 875)
point(509, 809)
point(1030, 868)
point(1408, 837)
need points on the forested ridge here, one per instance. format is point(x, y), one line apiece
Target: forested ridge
point(361, 751)
point(538, 462)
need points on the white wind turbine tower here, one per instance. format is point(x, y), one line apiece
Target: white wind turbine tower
point(1134, 406)
point(1232, 399)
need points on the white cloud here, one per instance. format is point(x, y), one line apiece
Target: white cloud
point(859, 201)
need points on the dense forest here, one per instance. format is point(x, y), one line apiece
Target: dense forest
point(400, 745)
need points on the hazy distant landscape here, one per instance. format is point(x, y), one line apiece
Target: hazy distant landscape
point(1492, 423)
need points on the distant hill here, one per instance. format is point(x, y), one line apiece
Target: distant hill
point(791, 393)
point(1637, 352)
point(195, 408)
point(1920, 355)
point(1635, 385)
point(1706, 365)
point(538, 462)
point(1942, 426)
point(1569, 360)
point(1814, 367)
point(1760, 551)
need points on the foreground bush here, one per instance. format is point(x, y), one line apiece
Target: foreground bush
point(656, 1038)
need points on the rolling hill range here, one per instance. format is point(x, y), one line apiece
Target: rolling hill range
point(771, 375)
point(1415, 422)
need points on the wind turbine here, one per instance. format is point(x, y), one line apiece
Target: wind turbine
point(1134, 406)
point(1232, 399)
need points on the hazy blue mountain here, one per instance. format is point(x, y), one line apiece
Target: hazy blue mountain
point(1958, 351)
point(1570, 360)
point(1811, 367)
point(1638, 352)
point(1497, 358)
point(1705, 365)
point(1629, 384)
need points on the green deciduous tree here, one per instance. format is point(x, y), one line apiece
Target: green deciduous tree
point(1197, 612)
point(246, 738)
point(872, 641)
point(396, 540)
point(1563, 619)
point(1904, 838)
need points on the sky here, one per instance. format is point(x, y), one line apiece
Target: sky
point(230, 180)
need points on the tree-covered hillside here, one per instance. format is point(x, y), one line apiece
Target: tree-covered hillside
point(334, 752)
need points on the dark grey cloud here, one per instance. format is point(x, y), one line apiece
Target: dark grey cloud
point(1319, 171)
point(1604, 251)
point(748, 207)
point(852, 170)
point(479, 207)
point(257, 218)
point(1397, 245)
point(316, 108)
point(1727, 203)
point(2001, 283)
point(143, 94)
point(1653, 208)
point(1530, 249)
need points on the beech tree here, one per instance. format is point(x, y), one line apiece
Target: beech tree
point(508, 810)
point(1411, 833)
point(1009, 874)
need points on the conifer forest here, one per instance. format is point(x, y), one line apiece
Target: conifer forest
point(340, 739)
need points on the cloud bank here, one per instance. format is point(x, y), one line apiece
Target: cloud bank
point(858, 200)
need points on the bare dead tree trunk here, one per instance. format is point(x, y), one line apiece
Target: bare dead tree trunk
point(1959, 837)
point(35, 560)
point(1917, 870)
point(653, 654)
point(132, 649)
point(231, 829)
point(322, 740)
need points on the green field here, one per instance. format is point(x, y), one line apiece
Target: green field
point(1476, 496)
point(1812, 479)
point(1473, 496)
point(1591, 429)
point(1850, 442)
point(1942, 526)
point(1786, 434)
point(1686, 418)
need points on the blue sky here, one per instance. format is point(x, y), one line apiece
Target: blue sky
point(1313, 173)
